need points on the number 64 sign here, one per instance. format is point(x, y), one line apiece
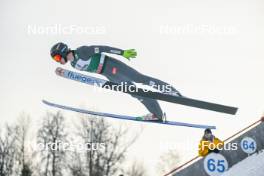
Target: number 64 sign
point(248, 145)
point(215, 164)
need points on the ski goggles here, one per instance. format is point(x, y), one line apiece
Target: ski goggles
point(57, 58)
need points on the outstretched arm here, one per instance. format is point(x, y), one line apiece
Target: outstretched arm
point(107, 49)
point(131, 53)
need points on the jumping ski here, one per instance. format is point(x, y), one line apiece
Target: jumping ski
point(125, 117)
point(133, 90)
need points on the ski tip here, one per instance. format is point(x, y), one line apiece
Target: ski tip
point(59, 71)
point(45, 102)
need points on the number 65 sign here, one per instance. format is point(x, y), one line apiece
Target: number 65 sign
point(215, 164)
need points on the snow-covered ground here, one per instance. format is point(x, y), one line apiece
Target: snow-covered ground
point(251, 166)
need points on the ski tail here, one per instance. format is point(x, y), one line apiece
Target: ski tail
point(125, 117)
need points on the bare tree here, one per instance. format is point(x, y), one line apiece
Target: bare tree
point(8, 150)
point(52, 134)
point(26, 170)
point(76, 166)
point(167, 161)
point(24, 157)
point(13, 155)
point(136, 169)
point(106, 146)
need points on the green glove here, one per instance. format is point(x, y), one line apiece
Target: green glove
point(130, 53)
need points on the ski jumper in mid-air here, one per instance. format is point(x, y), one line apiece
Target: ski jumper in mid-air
point(92, 59)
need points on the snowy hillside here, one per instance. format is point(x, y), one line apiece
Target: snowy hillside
point(251, 166)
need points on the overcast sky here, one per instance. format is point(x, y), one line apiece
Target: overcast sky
point(209, 50)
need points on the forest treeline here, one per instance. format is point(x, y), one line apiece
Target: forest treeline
point(88, 147)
